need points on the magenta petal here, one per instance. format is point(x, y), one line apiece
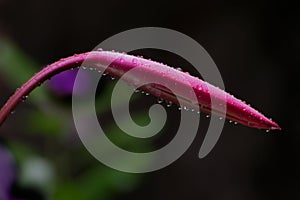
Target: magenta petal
point(148, 70)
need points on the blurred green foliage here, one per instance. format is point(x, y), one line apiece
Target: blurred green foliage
point(44, 142)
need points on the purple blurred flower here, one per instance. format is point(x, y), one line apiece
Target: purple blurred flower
point(7, 173)
point(62, 84)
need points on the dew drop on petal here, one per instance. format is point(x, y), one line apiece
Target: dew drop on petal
point(159, 100)
point(199, 87)
point(134, 61)
point(185, 108)
point(24, 98)
point(169, 103)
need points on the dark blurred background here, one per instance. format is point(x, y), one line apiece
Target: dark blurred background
point(255, 46)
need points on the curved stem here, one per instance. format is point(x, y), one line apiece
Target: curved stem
point(118, 64)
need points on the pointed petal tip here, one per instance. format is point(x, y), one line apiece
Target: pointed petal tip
point(274, 125)
point(270, 125)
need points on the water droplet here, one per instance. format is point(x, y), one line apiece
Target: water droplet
point(143, 92)
point(198, 112)
point(91, 68)
point(192, 110)
point(12, 112)
point(230, 121)
point(159, 100)
point(113, 78)
point(134, 61)
point(207, 116)
point(169, 103)
point(99, 71)
point(268, 130)
point(146, 93)
point(179, 69)
point(24, 98)
point(179, 108)
point(199, 87)
point(104, 74)
point(185, 108)
point(83, 67)
point(235, 123)
point(220, 118)
point(136, 90)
